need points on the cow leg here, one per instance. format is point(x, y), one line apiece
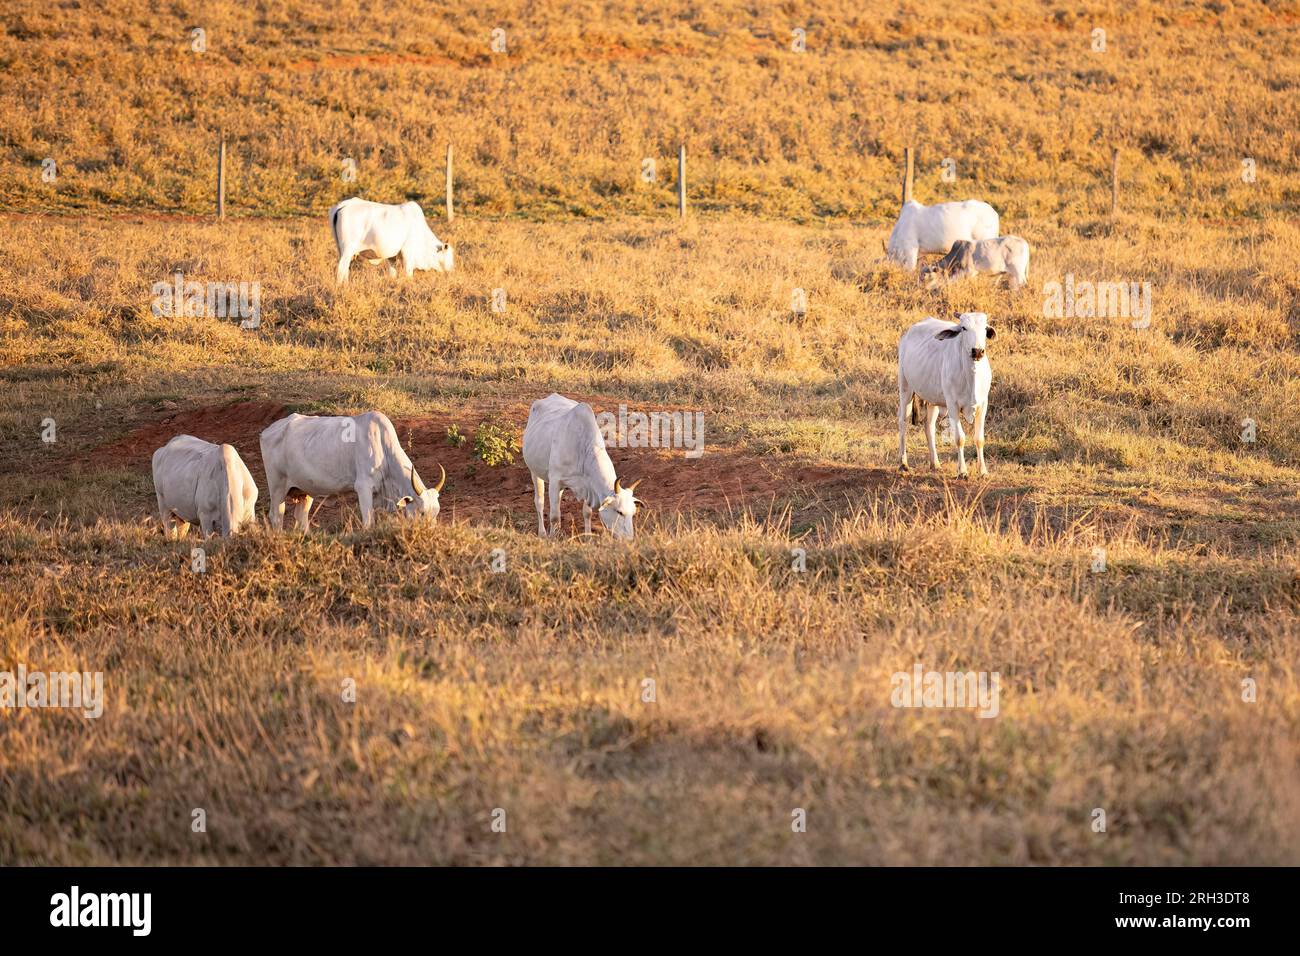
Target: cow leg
point(345, 262)
point(980, 412)
point(301, 512)
point(409, 266)
point(174, 526)
point(278, 487)
point(539, 502)
point(910, 259)
point(366, 502)
point(205, 524)
point(164, 517)
point(556, 490)
point(586, 518)
point(959, 437)
point(931, 422)
point(904, 405)
point(390, 268)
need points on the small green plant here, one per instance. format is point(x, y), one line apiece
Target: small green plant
point(454, 437)
point(495, 444)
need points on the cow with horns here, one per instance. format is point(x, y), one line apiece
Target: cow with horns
point(563, 446)
point(326, 455)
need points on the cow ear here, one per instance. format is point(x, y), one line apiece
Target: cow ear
point(605, 504)
point(948, 334)
point(990, 333)
point(403, 501)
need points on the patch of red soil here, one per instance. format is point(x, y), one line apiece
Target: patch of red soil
point(239, 424)
point(720, 480)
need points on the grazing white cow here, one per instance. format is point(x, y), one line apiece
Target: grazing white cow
point(564, 446)
point(379, 232)
point(196, 480)
point(1009, 254)
point(943, 364)
point(329, 455)
point(935, 228)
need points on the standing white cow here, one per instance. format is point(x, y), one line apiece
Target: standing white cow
point(943, 364)
point(935, 228)
point(379, 232)
point(328, 455)
point(563, 445)
point(196, 480)
point(1009, 254)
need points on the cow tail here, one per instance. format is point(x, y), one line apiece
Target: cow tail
point(234, 485)
point(915, 402)
point(334, 226)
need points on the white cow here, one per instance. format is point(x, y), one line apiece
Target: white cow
point(329, 455)
point(196, 480)
point(564, 446)
point(943, 364)
point(935, 228)
point(379, 232)
point(1009, 254)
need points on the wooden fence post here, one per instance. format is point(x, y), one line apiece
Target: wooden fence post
point(450, 212)
point(908, 158)
point(681, 181)
point(221, 176)
point(1114, 181)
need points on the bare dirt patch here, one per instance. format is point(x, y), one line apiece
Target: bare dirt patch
point(724, 479)
point(725, 482)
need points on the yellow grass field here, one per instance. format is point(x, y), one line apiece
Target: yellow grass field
point(1130, 569)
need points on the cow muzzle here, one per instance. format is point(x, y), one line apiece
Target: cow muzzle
point(976, 354)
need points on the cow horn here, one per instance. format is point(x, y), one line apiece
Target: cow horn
point(416, 483)
point(442, 480)
point(632, 487)
point(618, 485)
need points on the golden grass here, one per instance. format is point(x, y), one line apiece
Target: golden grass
point(560, 125)
point(523, 690)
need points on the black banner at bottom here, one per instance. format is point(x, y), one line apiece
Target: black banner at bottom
point(333, 906)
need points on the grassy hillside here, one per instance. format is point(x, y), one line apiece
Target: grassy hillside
point(524, 690)
point(560, 123)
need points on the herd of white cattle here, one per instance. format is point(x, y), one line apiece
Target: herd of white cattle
point(309, 457)
point(942, 365)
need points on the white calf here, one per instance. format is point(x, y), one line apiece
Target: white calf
point(943, 364)
point(1009, 254)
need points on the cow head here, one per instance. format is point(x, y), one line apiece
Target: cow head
point(436, 255)
point(931, 275)
point(960, 258)
point(424, 505)
point(432, 253)
point(617, 511)
point(973, 332)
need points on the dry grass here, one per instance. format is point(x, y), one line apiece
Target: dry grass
point(1011, 90)
point(522, 690)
